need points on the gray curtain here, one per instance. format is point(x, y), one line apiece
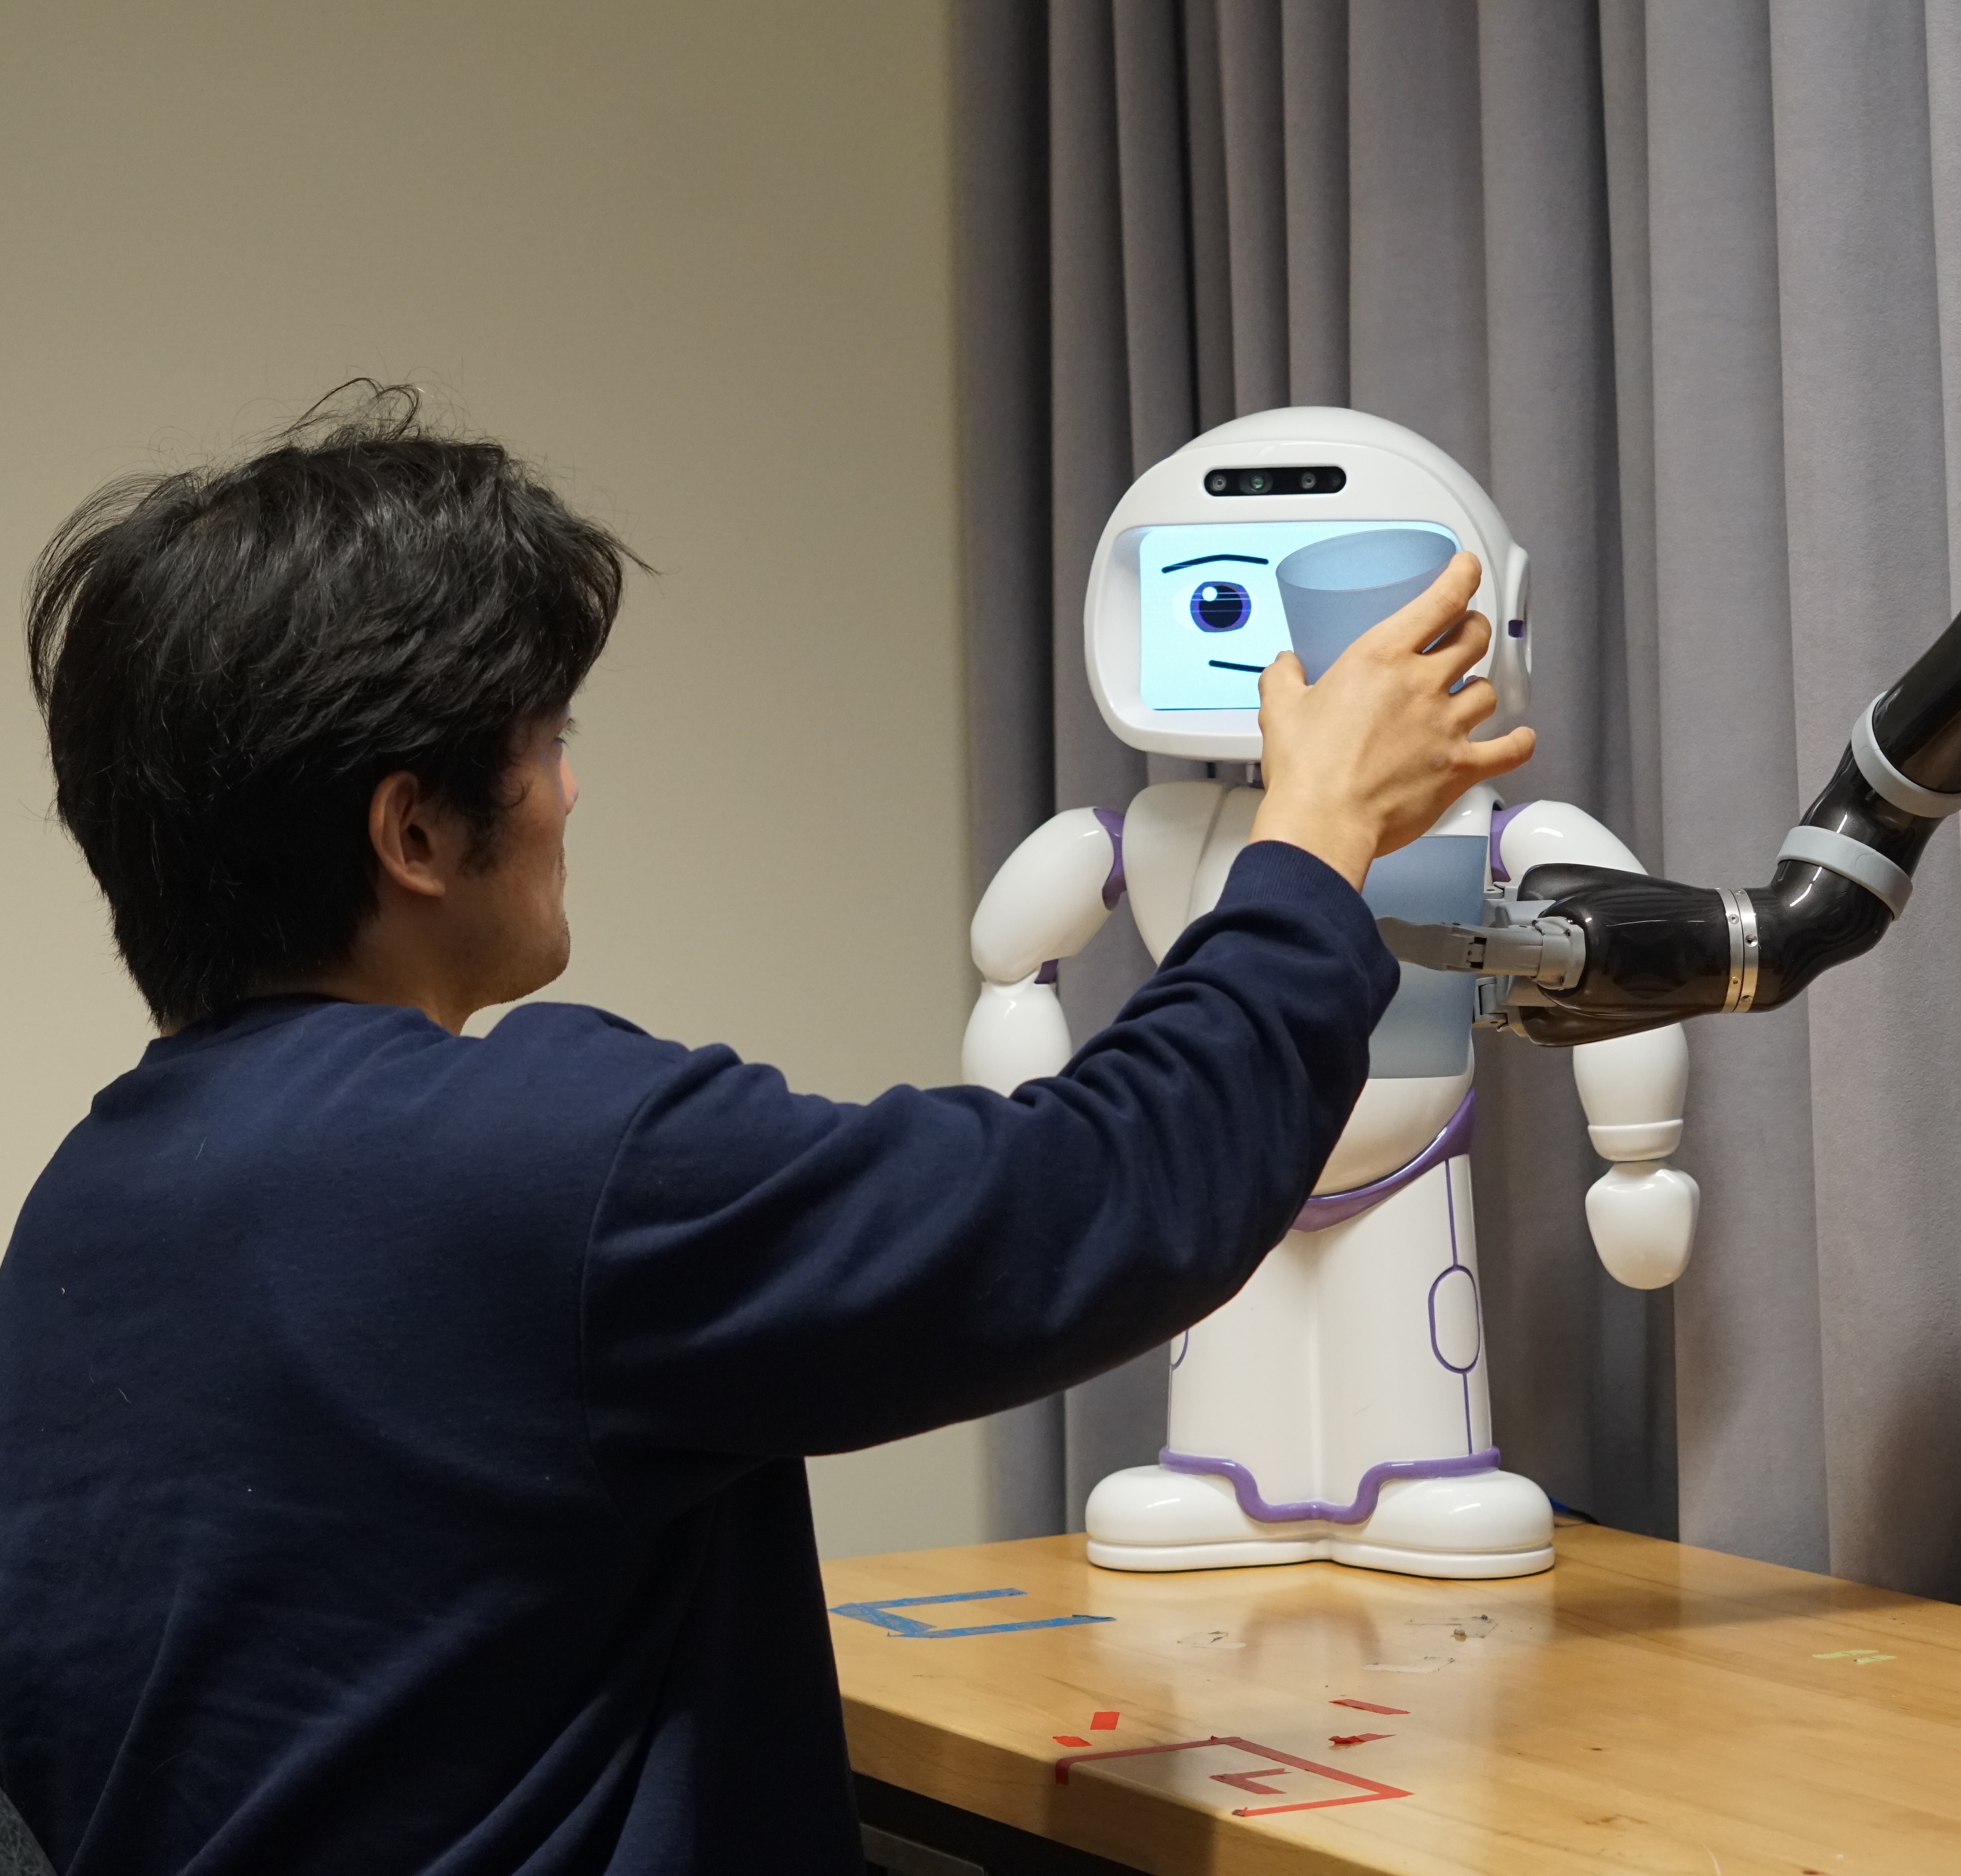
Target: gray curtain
point(1680, 283)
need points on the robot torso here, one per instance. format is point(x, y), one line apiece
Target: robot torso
point(1180, 840)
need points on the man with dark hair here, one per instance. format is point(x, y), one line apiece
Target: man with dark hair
point(400, 1434)
point(230, 664)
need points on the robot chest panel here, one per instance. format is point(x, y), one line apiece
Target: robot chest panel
point(1181, 839)
point(1439, 878)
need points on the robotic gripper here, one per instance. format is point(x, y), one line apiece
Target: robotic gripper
point(1584, 953)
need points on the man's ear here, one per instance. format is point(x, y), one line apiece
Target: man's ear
point(415, 838)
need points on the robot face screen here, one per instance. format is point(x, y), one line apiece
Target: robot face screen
point(1220, 601)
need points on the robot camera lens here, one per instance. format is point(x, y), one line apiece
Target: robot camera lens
point(1220, 606)
point(1216, 482)
point(1309, 479)
point(1254, 482)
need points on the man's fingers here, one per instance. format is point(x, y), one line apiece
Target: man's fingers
point(1285, 673)
point(1434, 611)
point(1473, 703)
point(1460, 647)
point(1501, 755)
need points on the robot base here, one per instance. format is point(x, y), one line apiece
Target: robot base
point(1484, 1524)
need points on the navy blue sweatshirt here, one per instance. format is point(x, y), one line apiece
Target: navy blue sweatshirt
point(401, 1435)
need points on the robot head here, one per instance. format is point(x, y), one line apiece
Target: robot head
point(1297, 528)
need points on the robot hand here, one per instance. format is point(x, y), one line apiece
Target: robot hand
point(1642, 1215)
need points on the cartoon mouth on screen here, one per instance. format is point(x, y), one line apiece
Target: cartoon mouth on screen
point(1221, 601)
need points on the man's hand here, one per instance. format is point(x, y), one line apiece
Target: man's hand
point(1363, 762)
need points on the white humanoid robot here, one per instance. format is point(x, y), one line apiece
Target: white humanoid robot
point(1338, 1407)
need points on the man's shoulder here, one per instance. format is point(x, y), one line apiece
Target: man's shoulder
point(526, 1024)
point(550, 1085)
point(333, 1044)
point(591, 1052)
point(327, 1118)
point(558, 1069)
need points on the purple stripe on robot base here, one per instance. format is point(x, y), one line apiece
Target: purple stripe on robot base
point(1514, 628)
point(1248, 1491)
point(1324, 1209)
point(1501, 820)
point(1443, 1360)
point(1476, 1313)
point(1113, 825)
point(1184, 1348)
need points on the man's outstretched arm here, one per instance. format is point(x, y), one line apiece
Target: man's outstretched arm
point(771, 1273)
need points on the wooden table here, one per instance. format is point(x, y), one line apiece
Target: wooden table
point(1642, 1706)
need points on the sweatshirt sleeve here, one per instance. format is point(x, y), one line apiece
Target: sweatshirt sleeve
point(774, 1273)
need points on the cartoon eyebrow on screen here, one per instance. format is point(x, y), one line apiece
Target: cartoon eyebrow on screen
point(1205, 560)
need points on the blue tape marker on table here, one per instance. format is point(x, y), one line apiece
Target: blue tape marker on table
point(883, 1615)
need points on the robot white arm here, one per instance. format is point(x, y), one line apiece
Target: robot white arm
point(1048, 901)
point(1642, 1212)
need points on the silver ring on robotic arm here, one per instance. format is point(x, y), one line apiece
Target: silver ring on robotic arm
point(1746, 949)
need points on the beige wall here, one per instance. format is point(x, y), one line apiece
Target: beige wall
point(695, 259)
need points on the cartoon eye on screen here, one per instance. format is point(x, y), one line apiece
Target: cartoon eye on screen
point(1314, 586)
point(1220, 606)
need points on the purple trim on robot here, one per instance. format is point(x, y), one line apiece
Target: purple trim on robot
point(1049, 971)
point(1514, 628)
point(1444, 1360)
point(1501, 820)
point(1184, 1348)
point(1325, 1209)
point(1450, 1206)
point(1476, 1313)
point(1248, 1491)
point(1113, 825)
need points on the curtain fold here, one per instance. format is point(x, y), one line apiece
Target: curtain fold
point(1681, 283)
point(1866, 510)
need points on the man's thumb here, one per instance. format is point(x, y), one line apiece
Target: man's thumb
point(1504, 753)
point(1285, 671)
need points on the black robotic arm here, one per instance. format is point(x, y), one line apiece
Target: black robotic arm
point(1587, 952)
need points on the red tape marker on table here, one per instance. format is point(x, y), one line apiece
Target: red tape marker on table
point(1250, 1781)
point(1099, 1723)
point(1367, 1706)
point(1134, 1752)
point(1368, 1791)
point(1356, 1739)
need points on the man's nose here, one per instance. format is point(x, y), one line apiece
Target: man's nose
point(568, 783)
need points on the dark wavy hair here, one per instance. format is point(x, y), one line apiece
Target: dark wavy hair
point(229, 660)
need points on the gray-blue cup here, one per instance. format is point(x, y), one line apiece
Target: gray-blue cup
point(1333, 590)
